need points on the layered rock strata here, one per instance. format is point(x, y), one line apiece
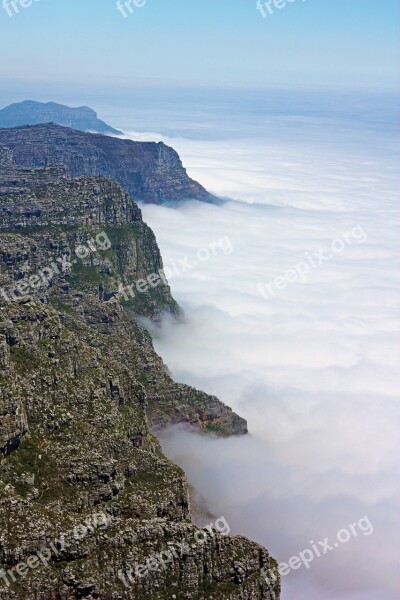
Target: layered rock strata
point(86, 495)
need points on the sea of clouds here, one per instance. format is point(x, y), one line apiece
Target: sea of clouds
point(314, 366)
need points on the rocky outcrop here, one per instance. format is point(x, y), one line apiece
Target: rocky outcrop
point(149, 172)
point(13, 421)
point(83, 481)
point(88, 450)
point(6, 158)
point(30, 112)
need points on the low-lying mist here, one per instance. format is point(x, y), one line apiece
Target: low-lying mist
point(308, 354)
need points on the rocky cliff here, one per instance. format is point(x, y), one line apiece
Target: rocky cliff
point(89, 506)
point(30, 112)
point(149, 172)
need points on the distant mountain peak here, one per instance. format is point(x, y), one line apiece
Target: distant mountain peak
point(30, 112)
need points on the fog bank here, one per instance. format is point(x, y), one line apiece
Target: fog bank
point(308, 358)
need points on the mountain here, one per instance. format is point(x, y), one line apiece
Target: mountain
point(86, 495)
point(30, 112)
point(148, 171)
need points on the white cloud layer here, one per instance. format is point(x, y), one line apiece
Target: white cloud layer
point(314, 368)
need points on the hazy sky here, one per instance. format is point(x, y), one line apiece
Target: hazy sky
point(346, 43)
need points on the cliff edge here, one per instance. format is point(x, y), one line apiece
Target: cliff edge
point(89, 506)
point(148, 171)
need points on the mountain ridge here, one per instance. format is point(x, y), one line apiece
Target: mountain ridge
point(149, 171)
point(31, 112)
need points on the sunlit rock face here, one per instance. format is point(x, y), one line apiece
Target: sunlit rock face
point(81, 390)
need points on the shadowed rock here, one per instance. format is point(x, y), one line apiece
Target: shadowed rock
point(148, 171)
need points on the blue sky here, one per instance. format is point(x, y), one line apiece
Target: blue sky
point(351, 44)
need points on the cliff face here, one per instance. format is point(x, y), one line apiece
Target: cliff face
point(81, 389)
point(29, 112)
point(149, 172)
